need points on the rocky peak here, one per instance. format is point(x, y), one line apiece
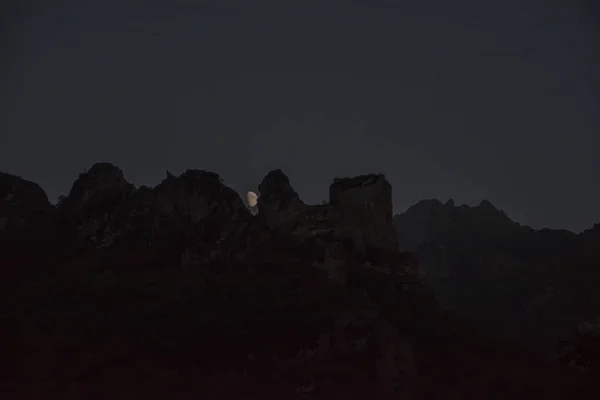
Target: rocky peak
point(23, 204)
point(426, 208)
point(200, 178)
point(487, 205)
point(104, 209)
point(14, 188)
point(197, 218)
point(490, 214)
point(364, 205)
point(102, 186)
point(195, 195)
point(430, 220)
point(250, 321)
point(278, 204)
point(276, 184)
point(593, 232)
point(18, 193)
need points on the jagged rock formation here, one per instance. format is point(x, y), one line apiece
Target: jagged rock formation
point(102, 200)
point(107, 212)
point(532, 284)
point(97, 203)
point(178, 291)
point(431, 219)
point(24, 206)
point(354, 227)
point(194, 220)
point(365, 212)
point(279, 204)
point(29, 224)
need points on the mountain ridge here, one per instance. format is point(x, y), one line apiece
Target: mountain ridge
point(179, 291)
point(479, 252)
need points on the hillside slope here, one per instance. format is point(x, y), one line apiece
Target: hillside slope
point(536, 285)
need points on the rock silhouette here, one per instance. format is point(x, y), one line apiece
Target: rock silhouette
point(533, 285)
point(178, 291)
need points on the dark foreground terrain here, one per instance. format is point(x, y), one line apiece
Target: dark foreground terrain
point(278, 332)
point(177, 292)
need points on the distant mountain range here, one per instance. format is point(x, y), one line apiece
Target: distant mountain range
point(520, 281)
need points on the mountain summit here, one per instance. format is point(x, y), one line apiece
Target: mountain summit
point(178, 291)
point(534, 285)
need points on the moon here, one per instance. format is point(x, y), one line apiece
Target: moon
point(252, 199)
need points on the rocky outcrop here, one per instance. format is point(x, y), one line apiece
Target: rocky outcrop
point(431, 220)
point(364, 205)
point(26, 215)
point(355, 226)
point(196, 221)
point(359, 212)
point(29, 228)
point(103, 187)
point(98, 205)
point(189, 218)
point(298, 302)
point(22, 202)
point(531, 284)
point(278, 205)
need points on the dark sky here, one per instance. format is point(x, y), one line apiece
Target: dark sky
point(471, 99)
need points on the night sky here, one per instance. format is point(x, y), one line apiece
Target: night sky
point(472, 99)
